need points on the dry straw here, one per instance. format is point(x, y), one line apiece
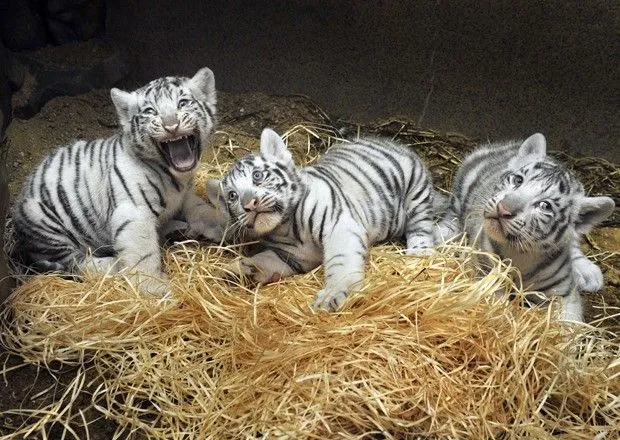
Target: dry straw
point(425, 348)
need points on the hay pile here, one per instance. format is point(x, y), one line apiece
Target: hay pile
point(426, 348)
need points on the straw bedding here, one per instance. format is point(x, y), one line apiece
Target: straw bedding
point(425, 348)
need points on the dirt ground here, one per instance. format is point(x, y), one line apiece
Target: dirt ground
point(242, 117)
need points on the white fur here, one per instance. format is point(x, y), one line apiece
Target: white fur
point(529, 237)
point(329, 221)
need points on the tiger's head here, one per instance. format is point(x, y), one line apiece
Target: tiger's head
point(169, 119)
point(262, 190)
point(539, 204)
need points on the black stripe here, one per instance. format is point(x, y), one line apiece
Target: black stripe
point(173, 179)
point(288, 259)
point(147, 202)
point(66, 205)
point(162, 202)
point(144, 257)
point(122, 179)
point(322, 224)
point(121, 228)
point(296, 222)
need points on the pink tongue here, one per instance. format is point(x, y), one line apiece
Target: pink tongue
point(181, 153)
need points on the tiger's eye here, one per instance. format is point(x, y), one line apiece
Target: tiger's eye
point(257, 175)
point(149, 111)
point(515, 180)
point(544, 205)
point(183, 103)
point(232, 196)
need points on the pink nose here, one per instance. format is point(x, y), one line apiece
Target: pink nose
point(250, 206)
point(502, 210)
point(171, 128)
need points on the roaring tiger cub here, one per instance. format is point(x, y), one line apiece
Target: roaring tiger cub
point(356, 195)
point(99, 204)
point(515, 201)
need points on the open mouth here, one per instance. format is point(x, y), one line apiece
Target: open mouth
point(181, 152)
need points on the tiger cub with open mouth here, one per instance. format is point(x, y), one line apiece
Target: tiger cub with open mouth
point(100, 204)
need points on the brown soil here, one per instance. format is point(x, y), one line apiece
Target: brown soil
point(242, 117)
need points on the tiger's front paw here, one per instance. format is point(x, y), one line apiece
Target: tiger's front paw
point(208, 230)
point(247, 271)
point(589, 275)
point(419, 252)
point(329, 300)
point(153, 285)
point(446, 232)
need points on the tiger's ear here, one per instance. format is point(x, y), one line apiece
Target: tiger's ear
point(592, 211)
point(535, 145)
point(126, 105)
point(202, 85)
point(273, 148)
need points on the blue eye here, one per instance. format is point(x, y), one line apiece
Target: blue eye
point(257, 176)
point(232, 196)
point(149, 111)
point(183, 103)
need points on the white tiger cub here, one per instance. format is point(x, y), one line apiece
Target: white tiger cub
point(331, 212)
point(515, 201)
point(99, 204)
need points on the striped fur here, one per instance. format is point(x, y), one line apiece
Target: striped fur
point(515, 201)
point(99, 204)
point(331, 212)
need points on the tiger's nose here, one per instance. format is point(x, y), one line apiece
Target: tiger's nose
point(250, 206)
point(503, 211)
point(510, 205)
point(171, 128)
point(170, 123)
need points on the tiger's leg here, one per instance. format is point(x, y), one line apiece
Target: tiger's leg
point(419, 226)
point(105, 265)
point(102, 260)
point(588, 276)
point(137, 247)
point(571, 307)
point(269, 266)
point(345, 251)
point(204, 219)
point(450, 226)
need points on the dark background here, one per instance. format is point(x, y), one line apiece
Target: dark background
point(485, 68)
point(489, 69)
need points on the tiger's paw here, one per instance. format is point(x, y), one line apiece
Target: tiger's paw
point(589, 275)
point(446, 232)
point(208, 230)
point(330, 300)
point(153, 285)
point(247, 271)
point(419, 252)
point(420, 245)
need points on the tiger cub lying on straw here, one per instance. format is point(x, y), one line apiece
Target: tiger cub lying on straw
point(99, 204)
point(356, 195)
point(513, 200)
